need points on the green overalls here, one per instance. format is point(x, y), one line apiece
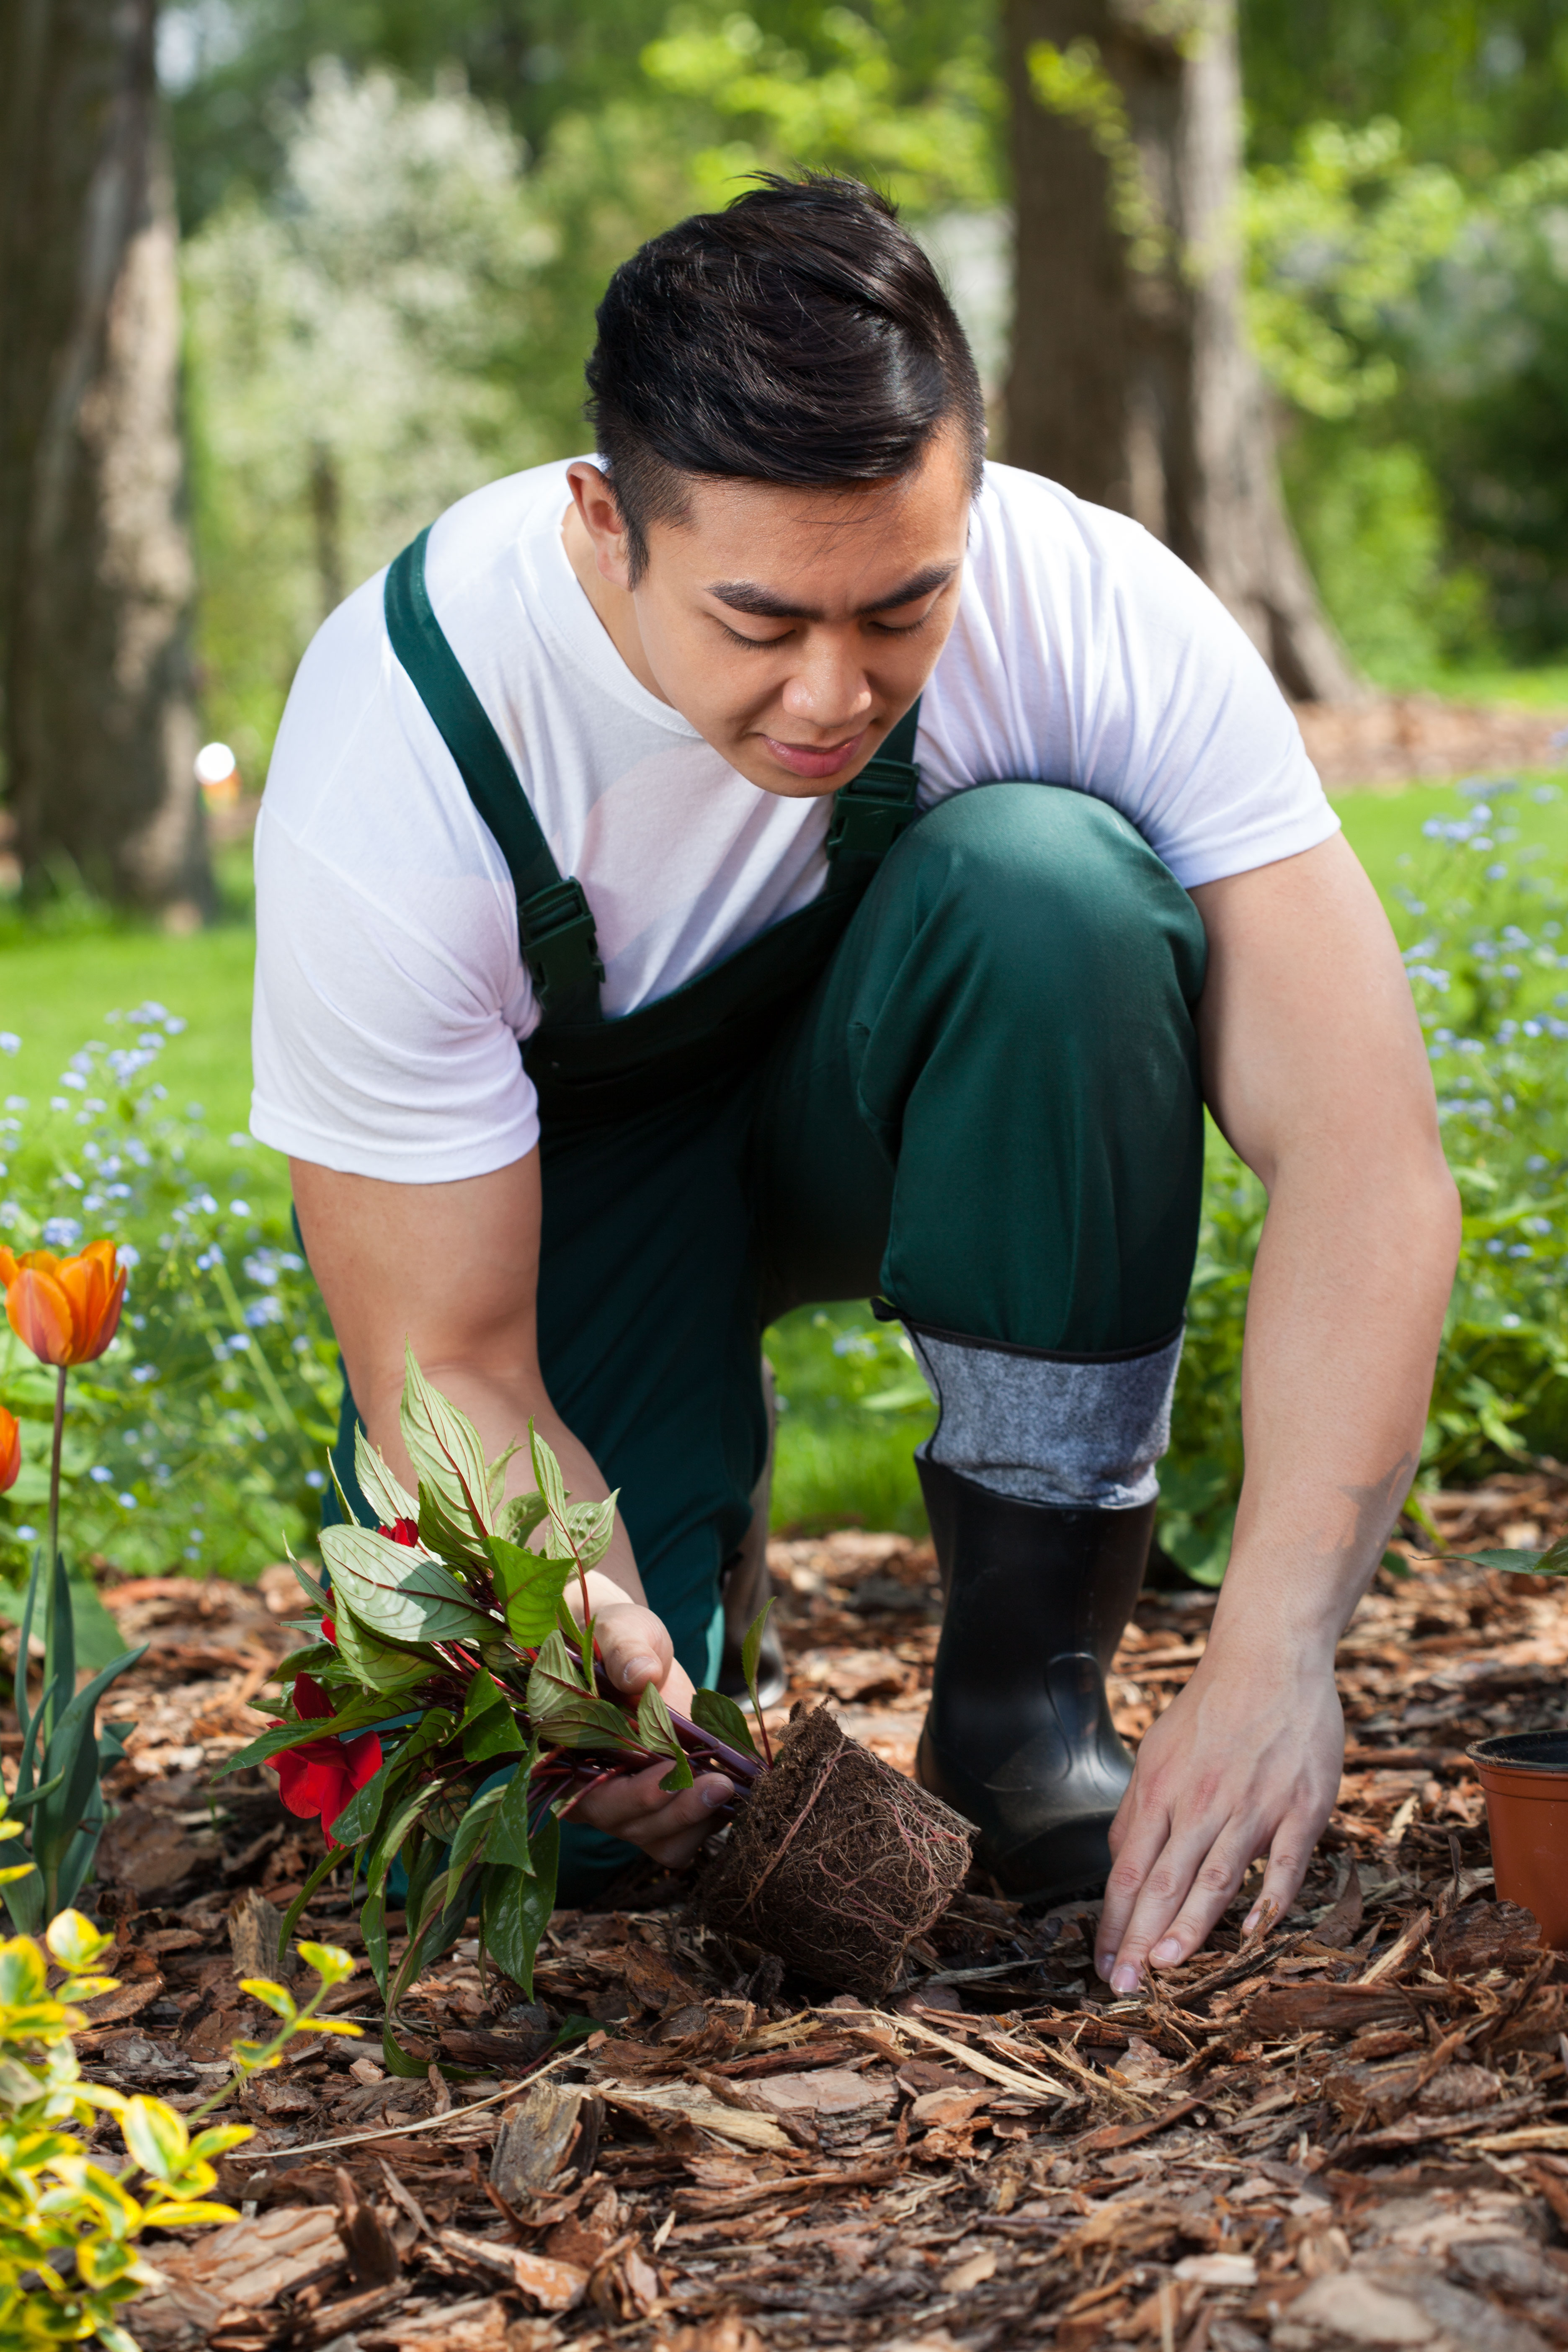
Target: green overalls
point(966, 1075)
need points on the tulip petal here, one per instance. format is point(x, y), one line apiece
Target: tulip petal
point(8, 1267)
point(10, 1449)
point(95, 1286)
point(39, 1312)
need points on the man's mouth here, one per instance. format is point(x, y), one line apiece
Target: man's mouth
point(816, 759)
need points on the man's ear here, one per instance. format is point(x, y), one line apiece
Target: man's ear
point(600, 515)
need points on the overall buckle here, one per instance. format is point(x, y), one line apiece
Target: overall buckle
point(865, 825)
point(560, 944)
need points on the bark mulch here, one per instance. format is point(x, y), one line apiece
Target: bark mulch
point(1352, 2130)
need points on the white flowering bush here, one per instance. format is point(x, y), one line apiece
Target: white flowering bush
point(195, 1438)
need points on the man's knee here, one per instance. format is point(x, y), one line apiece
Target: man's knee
point(1046, 885)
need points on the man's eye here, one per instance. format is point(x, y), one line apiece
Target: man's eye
point(757, 644)
point(902, 628)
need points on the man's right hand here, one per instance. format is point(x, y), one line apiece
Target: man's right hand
point(635, 1650)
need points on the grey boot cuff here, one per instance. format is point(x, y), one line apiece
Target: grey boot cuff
point(1079, 1431)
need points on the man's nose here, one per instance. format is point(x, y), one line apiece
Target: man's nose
point(830, 690)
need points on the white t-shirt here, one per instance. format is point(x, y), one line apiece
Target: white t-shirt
point(390, 990)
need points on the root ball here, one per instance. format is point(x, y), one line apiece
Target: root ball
point(836, 1861)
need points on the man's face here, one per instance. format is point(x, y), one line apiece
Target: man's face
point(792, 627)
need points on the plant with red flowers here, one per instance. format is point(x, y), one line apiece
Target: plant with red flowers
point(447, 1650)
point(449, 1708)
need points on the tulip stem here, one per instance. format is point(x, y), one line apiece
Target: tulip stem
point(54, 1521)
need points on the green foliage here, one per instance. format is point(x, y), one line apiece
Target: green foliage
point(840, 99)
point(69, 2260)
point(1471, 86)
point(58, 1788)
point(853, 1405)
point(196, 1436)
point(1484, 916)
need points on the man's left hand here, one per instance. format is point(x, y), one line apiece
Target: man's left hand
point(1245, 1761)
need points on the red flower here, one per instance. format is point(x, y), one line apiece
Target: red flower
point(403, 1531)
point(318, 1779)
point(330, 1631)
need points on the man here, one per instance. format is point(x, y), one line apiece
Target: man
point(668, 711)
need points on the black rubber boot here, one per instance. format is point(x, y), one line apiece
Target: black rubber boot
point(1018, 1736)
point(747, 1587)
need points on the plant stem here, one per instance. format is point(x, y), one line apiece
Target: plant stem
point(747, 1766)
point(275, 1396)
point(55, 1458)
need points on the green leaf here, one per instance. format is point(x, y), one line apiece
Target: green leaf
point(397, 2061)
point(387, 1495)
point(723, 1718)
point(75, 1942)
point(516, 1521)
point(1553, 1562)
point(565, 1715)
point(398, 1592)
point(517, 1908)
point(495, 1734)
point(529, 1585)
point(495, 1478)
point(373, 1928)
point(592, 1525)
point(446, 1528)
point(331, 1962)
point(490, 1724)
point(444, 1447)
point(361, 1711)
point(751, 1651)
point(578, 1641)
point(73, 1752)
point(657, 1732)
point(384, 1665)
point(557, 1660)
point(360, 1816)
point(155, 2136)
point(328, 1862)
point(472, 1828)
point(508, 1843)
point(547, 1474)
point(318, 1600)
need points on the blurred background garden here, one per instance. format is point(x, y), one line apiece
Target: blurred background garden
point(281, 278)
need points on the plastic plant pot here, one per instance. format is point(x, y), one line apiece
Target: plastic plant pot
point(1525, 1777)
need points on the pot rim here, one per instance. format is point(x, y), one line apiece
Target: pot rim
point(1484, 1754)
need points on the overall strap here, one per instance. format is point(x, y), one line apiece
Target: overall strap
point(870, 814)
point(556, 926)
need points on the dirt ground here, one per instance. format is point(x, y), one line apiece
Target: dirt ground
point(1392, 740)
point(1351, 2131)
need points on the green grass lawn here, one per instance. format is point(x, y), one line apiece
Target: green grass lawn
point(853, 1409)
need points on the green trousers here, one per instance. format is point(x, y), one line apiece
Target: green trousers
point(988, 1108)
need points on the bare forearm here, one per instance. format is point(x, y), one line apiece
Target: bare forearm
point(501, 1410)
point(1343, 1323)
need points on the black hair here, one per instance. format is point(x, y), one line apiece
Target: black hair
point(801, 336)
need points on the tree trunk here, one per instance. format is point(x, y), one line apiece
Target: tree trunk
point(96, 575)
point(1132, 380)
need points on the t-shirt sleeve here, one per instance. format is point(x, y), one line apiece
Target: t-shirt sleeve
point(1126, 676)
point(389, 991)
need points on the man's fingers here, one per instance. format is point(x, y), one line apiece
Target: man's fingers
point(634, 1647)
point(1185, 1895)
point(1287, 1858)
point(670, 1828)
point(1138, 1837)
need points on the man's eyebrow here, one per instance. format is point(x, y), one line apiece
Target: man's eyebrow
point(746, 596)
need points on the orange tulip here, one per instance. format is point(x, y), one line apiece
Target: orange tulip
point(10, 1449)
point(66, 1309)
